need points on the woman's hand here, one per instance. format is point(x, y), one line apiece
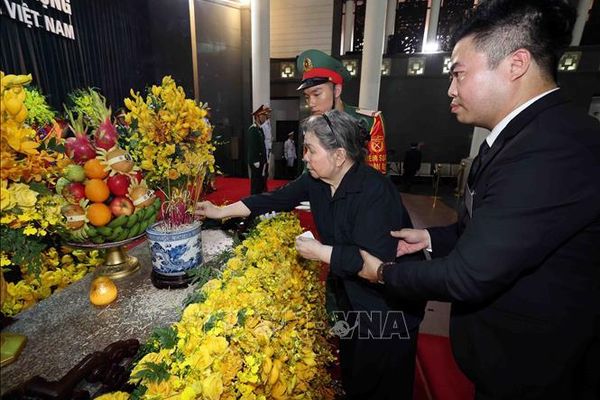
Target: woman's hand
point(207, 209)
point(312, 249)
point(411, 241)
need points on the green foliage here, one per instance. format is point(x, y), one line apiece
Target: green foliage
point(153, 372)
point(241, 316)
point(210, 269)
point(167, 337)
point(161, 338)
point(23, 250)
point(212, 321)
point(138, 393)
point(81, 103)
point(38, 111)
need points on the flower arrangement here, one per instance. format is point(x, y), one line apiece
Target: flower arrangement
point(39, 113)
point(30, 211)
point(170, 137)
point(257, 332)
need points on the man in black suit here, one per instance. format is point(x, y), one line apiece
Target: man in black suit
point(522, 264)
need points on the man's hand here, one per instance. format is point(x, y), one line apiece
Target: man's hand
point(411, 241)
point(256, 164)
point(370, 266)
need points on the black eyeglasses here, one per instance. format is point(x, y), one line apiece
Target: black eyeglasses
point(326, 118)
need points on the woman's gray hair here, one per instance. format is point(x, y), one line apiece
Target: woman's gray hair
point(335, 130)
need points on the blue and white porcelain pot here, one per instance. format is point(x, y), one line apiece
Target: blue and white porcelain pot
point(174, 254)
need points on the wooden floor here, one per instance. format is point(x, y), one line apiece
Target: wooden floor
point(423, 214)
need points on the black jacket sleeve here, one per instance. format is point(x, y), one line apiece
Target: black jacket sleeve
point(379, 211)
point(282, 199)
point(535, 203)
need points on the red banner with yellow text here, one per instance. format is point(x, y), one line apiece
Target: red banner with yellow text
point(377, 157)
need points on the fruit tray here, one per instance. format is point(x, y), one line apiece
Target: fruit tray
point(122, 228)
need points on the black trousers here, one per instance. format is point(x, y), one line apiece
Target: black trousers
point(258, 182)
point(378, 369)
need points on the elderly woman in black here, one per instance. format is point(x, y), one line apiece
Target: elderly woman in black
point(354, 207)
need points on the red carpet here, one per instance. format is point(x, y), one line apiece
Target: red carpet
point(437, 376)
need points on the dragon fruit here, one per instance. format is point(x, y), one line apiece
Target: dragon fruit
point(79, 148)
point(106, 135)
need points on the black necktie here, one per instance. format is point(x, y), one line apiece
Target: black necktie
point(478, 161)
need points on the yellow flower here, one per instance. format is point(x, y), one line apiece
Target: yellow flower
point(30, 230)
point(113, 396)
point(6, 200)
point(188, 393)
point(159, 389)
point(23, 195)
point(4, 260)
point(212, 386)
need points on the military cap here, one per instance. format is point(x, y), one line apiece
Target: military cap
point(262, 110)
point(318, 68)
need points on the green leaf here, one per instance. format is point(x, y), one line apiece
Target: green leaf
point(138, 392)
point(242, 316)
point(39, 188)
point(212, 321)
point(167, 337)
point(153, 372)
point(23, 250)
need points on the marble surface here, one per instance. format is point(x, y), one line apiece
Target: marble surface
point(64, 328)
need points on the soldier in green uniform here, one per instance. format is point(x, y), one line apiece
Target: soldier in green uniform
point(323, 78)
point(257, 153)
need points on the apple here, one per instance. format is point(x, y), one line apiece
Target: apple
point(121, 206)
point(74, 173)
point(73, 192)
point(118, 184)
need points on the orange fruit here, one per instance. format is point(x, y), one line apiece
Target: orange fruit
point(103, 291)
point(96, 190)
point(99, 214)
point(94, 169)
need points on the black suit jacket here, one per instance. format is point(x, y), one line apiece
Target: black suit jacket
point(524, 272)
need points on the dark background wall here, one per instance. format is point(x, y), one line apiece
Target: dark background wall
point(416, 108)
point(123, 45)
point(130, 44)
point(112, 50)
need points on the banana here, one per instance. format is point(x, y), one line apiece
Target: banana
point(141, 213)
point(131, 220)
point(147, 223)
point(91, 231)
point(98, 239)
point(151, 216)
point(105, 231)
point(124, 235)
point(119, 221)
point(115, 234)
point(135, 230)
